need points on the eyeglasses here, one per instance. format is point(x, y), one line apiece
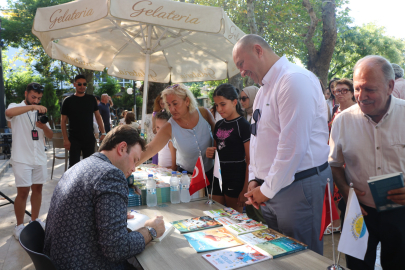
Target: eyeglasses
point(340, 91)
point(243, 98)
point(80, 84)
point(256, 117)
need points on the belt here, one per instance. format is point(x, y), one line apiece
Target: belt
point(310, 172)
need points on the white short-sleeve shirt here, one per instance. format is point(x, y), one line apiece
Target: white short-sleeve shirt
point(25, 149)
point(368, 148)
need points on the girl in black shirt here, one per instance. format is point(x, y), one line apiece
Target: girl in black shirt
point(232, 138)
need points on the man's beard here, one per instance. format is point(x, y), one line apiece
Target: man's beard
point(29, 103)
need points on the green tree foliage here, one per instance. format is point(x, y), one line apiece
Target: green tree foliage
point(110, 87)
point(51, 102)
point(357, 42)
point(196, 90)
point(16, 83)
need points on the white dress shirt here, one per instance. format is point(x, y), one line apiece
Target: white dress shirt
point(368, 148)
point(292, 132)
point(25, 149)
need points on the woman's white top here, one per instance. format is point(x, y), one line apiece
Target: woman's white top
point(164, 156)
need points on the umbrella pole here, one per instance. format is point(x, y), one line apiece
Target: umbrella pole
point(145, 81)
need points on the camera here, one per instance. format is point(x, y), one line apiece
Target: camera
point(42, 118)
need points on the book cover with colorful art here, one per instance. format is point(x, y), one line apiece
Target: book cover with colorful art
point(281, 247)
point(227, 211)
point(242, 228)
point(241, 218)
point(235, 257)
point(195, 224)
point(260, 236)
point(226, 220)
point(212, 239)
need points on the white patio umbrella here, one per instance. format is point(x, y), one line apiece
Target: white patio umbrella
point(149, 40)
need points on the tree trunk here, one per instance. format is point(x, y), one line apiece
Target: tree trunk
point(236, 81)
point(251, 16)
point(89, 74)
point(154, 90)
point(319, 60)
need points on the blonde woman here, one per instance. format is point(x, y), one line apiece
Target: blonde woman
point(189, 128)
point(122, 120)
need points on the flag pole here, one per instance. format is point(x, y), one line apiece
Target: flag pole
point(335, 265)
point(209, 201)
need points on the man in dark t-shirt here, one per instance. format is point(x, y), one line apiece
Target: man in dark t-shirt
point(104, 109)
point(79, 109)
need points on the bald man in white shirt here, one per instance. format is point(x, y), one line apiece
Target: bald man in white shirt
point(369, 139)
point(288, 146)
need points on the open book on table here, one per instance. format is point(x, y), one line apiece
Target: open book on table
point(139, 221)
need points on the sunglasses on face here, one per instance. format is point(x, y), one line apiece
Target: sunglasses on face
point(243, 98)
point(80, 84)
point(340, 91)
point(253, 127)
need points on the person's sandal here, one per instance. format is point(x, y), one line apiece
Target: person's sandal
point(328, 229)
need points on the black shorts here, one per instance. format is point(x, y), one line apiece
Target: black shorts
point(233, 180)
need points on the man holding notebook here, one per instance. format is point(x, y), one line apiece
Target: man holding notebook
point(87, 219)
point(369, 138)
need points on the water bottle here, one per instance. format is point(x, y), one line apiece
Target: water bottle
point(174, 189)
point(185, 184)
point(151, 198)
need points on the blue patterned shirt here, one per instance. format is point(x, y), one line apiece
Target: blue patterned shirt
point(86, 223)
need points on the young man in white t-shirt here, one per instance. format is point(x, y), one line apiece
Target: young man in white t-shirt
point(28, 156)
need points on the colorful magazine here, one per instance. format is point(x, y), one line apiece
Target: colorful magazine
point(234, 219)
point(195, 224)
point(227, 211)
point(226, 220)
point(281, 247)
point(241, 218)
point(261, 236)
point(212, 239)
point(236, 257)
point(243, 228)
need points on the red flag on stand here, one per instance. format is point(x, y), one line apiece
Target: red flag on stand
point(326, 212)
point(198, 180)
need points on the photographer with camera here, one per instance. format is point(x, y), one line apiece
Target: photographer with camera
point(28, 157)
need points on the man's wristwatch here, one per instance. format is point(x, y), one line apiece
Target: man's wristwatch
point(103, 134)
point(152, 232)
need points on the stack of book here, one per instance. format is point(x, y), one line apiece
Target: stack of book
point(236, 240)
point(162, 194)
point(133, 198)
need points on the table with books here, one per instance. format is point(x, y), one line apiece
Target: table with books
point(202, 236)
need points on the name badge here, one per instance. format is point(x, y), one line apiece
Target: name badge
point(34, 134)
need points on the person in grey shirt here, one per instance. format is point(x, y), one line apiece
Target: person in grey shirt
point(87, 220)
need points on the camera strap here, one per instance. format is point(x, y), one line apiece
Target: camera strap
point(34, 132)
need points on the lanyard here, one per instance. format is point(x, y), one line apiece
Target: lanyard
point(33, 125)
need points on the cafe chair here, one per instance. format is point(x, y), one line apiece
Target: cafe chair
point(32, 239)
point(58, 143)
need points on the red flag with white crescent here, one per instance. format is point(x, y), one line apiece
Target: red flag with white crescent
point(198, 180)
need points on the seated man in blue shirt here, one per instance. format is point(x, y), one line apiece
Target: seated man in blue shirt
point(87, 220)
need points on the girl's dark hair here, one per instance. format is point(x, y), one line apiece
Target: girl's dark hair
point(129, 118)
point(228, 91)
point(330, 83)
point(163, 115)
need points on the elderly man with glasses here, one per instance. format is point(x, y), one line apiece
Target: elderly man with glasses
point(28, 156)
point(288, 146)
point(79, 109)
